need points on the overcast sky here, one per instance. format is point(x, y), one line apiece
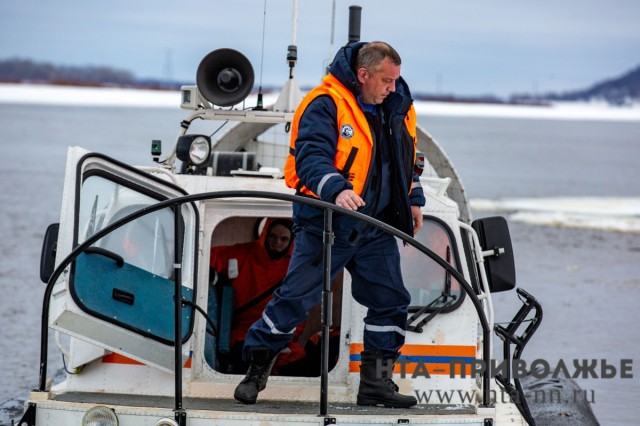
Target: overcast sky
point(463, 47)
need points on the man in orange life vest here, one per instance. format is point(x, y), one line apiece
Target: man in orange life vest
point(353, 143)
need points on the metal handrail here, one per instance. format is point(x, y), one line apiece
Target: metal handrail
point(329, 208)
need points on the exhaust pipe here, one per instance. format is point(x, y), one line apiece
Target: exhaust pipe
point(355, 13)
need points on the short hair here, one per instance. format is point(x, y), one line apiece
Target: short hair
point(372, 54)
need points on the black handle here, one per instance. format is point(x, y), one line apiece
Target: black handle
point(123, 296)
point(99, 250)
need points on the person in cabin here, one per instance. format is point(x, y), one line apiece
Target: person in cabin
point(353, 143)
point(253, 270)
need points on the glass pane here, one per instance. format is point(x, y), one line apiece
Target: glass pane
point(146, 242)
point(424, 278)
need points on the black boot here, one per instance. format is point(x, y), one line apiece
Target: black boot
point(256, 378)
point(376, 385)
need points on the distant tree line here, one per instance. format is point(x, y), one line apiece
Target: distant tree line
point(617, 91)
point(25, 70)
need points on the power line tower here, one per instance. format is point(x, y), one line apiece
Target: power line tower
point(167, 71)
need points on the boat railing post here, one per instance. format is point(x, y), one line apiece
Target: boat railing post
point(327, 305)
point(44, 333)
point(180, 414)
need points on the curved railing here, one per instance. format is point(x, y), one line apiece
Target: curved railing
point(328, 209)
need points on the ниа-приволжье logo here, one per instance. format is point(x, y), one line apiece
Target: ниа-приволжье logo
point(518, 368)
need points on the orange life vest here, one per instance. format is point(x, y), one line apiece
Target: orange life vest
point(355, 143)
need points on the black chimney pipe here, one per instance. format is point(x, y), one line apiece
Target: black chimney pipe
point(355, 13)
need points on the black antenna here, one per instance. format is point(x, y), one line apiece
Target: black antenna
point(259, 106)
point(292, 57)
point(355, 13)
point(333, 31)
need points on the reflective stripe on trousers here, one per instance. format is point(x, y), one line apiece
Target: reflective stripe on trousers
point(374, 265)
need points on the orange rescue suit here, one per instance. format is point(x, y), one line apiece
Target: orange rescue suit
point(257, 273)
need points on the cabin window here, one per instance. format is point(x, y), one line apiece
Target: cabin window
point(129, 280)
point(243, 277)
point(146, 242)
point(428, 283)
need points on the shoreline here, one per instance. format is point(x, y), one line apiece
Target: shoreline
point(38, 94)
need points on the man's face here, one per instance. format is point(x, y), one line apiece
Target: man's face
point(377, 85)
point(278, 238)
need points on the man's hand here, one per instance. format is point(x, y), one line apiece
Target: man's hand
point(417, 219)
point(349, 200)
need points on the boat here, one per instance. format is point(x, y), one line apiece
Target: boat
point(127, 273)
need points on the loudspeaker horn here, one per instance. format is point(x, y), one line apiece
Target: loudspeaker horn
point(225, 77)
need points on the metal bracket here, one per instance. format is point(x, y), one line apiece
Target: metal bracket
point(496, 251)
point(509, 336)
point(181, 417)
point(29, 417)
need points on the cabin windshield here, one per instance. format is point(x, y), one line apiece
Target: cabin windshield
point(146, 242)
point(428, 283)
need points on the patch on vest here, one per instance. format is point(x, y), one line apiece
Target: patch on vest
point(346, 131)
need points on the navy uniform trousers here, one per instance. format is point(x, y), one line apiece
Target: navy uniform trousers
point(376, 283)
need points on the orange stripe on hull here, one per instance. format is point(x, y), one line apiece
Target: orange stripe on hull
point(419, 360)
point(411, 368)
point(114, 358)
point(426, 350)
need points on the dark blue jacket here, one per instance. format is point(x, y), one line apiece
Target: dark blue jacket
point(316, 150)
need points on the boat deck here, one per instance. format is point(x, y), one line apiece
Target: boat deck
point(262, 406)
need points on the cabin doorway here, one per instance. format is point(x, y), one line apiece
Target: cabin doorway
point(246, 267)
